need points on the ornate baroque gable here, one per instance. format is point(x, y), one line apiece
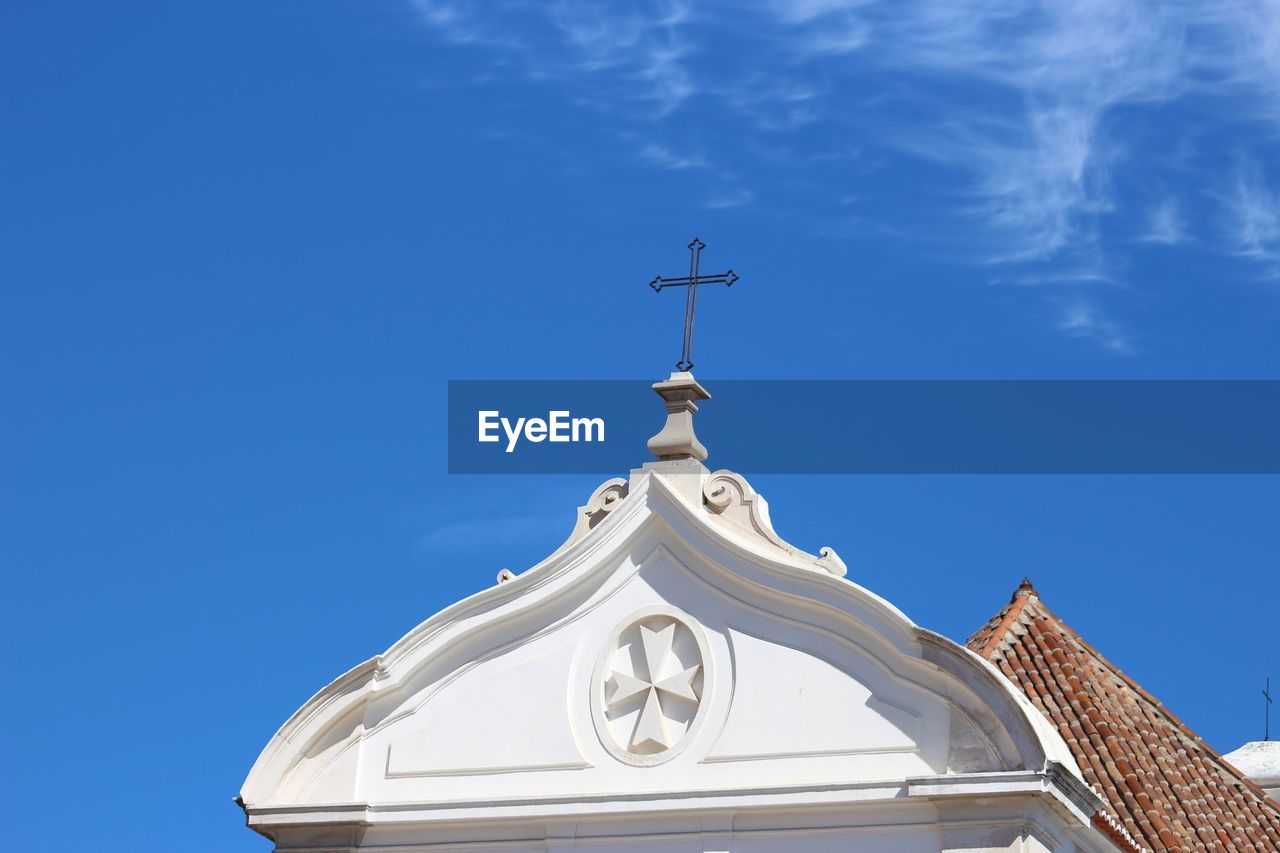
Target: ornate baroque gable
point(679, 677)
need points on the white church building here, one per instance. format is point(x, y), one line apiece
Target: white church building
point(677, 677)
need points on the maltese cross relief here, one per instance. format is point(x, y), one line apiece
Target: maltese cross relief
point(654, 685)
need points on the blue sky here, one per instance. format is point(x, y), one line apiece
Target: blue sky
point(244, 246)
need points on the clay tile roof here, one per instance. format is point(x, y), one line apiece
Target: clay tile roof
point(1161, 782)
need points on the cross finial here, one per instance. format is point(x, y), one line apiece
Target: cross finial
point(1266, 726)
point(691, 281)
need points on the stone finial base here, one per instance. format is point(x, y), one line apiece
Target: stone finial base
point(677, 440)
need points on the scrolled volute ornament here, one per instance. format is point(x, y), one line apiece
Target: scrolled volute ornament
point(604, 500)
point(729, 497)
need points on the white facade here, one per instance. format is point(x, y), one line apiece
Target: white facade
point(674, 678)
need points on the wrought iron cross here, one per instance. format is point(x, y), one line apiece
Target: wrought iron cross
point(1266, 730)
point(692, 281)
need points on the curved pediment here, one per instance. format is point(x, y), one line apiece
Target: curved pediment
point(674, 643)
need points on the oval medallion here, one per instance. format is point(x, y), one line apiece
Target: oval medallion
point(650, 684)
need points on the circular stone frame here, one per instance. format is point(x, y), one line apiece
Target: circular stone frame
point(599, 677)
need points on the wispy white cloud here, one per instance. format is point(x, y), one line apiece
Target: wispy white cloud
point(1246, 51)
point(834, 27)
point(774, 101)
point(657, 154)
point(605, 36)
point(1017, 95)
point(1253, 209)
point(731, 197)
point(1090, 274)
point(1035, 140)
point(1164, 224)
point(637, 50)
point(444, 15)
point(1034, 185)
point(1082, 319)
point(457, 22)
point(669, 84)
point(1022, 103)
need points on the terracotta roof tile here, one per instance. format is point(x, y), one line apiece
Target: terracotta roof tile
point(1163, 785)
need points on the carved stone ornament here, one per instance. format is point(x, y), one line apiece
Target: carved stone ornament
point(650, 686)
point(830, 560)
point(604, 500)
point(730, 497)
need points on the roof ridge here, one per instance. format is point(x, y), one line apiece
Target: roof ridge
point(1159, 706)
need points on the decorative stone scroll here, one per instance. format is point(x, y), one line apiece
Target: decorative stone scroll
point(729, 496)
point(604, 500)
point(830, 560)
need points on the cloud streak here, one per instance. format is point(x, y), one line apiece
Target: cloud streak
point(1027, 104)
point(1165, 225)
point(657, 154)
point(1253, 210)
point(1041, 80)
point(1082, 319)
